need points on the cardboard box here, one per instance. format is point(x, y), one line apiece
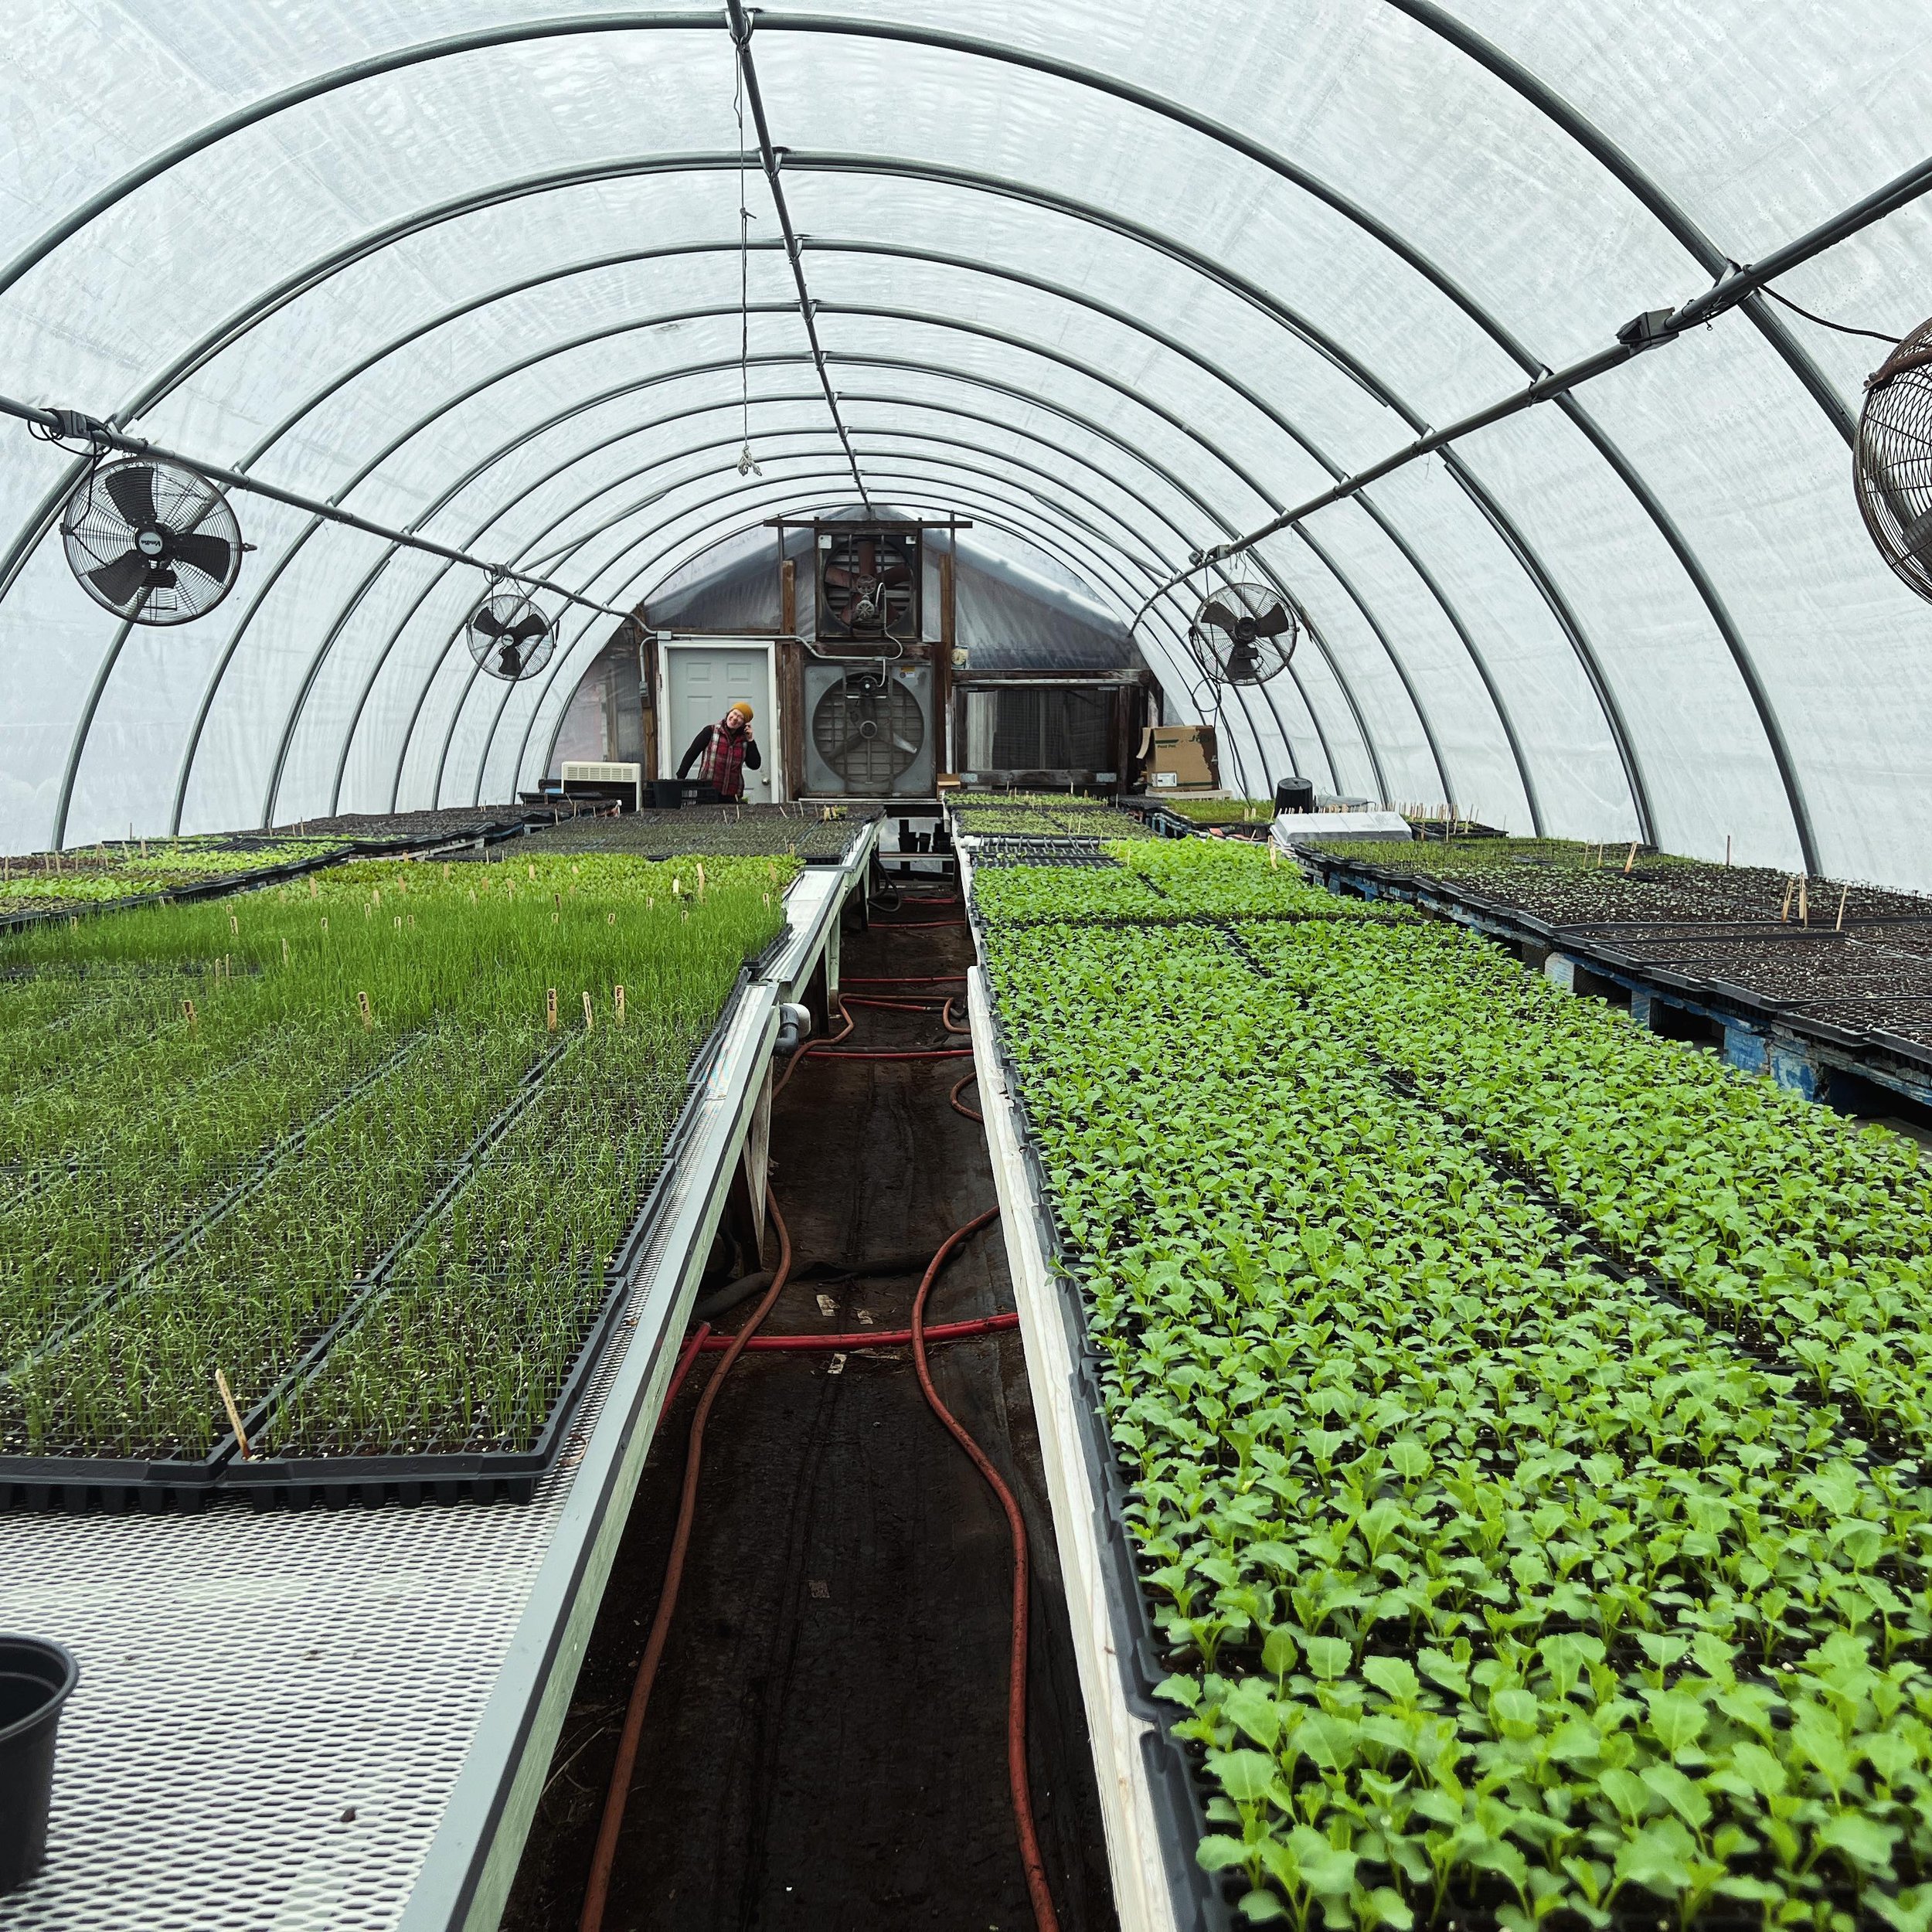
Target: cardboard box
point(1181, 758)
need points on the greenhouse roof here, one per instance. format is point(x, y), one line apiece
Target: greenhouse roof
point(1120, 283)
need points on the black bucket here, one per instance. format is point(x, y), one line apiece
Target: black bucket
point(36, 1677)
point(667, 794)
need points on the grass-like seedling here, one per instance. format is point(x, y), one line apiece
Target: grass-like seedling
point(263, 1157)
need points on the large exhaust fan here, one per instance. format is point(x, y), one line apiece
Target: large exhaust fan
point(869, 583)
point(154, 543)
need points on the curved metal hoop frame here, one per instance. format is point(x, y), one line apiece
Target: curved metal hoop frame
point(1428, 16)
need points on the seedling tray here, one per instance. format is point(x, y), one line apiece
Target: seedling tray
point(1178, 1794)
point(509, 1475)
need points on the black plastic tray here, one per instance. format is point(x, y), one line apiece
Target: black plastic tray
point(1178, 1798)
point(483, 1475)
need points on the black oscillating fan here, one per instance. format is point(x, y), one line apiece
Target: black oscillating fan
point(153, 542)
point(509, 636)
point(1244, 634)
point(1891, 460)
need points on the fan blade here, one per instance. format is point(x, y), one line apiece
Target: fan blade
point(529, 626)
point(132, 489)
point(1219, 615)
point(509, 664)
point(119, 580)
point(484, 620)
point(209, 555)
point(895, 570)
point(1271, 623)
point(836, 574)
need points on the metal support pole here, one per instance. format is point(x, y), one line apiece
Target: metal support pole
point(741, 39)
point(1650, 330)
point(72, 426)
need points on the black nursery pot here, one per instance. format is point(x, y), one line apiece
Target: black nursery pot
point(36, 1677)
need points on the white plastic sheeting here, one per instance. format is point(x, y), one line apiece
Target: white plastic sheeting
point(1118, 280)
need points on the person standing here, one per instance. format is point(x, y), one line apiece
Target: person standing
point(723, 752)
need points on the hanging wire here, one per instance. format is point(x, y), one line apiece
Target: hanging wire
point(1843, 328)
point(747, 464)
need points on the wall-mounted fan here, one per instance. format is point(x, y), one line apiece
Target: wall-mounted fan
point(1891, 460)
point(509, 636)
point(869, 583)
point(869, 728)
point(153, 542)
point(1244, 634)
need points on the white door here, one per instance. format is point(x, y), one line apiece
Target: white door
point(703, 681)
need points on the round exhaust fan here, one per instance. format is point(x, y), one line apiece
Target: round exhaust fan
point(509, 636)
point(153, 542)
point(1244, 634)
point(869, 728)
point(1891, 460)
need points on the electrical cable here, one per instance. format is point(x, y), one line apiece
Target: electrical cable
point(598, 1892)
point(1843, 328)
point(1044, 1918)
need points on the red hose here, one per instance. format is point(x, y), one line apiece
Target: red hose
point(890, 1006)
point(598, 1892)
point(866, 1337)
point(686, 1355)
point(959, 1105)
point(814, 1046)
point(920, 1053)
point(946, 1018)
point(1041, 1893)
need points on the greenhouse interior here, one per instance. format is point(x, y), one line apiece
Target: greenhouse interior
point(966, 968)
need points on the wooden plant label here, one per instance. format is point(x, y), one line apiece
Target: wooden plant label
point(188, 1009)
point(1632, 859)
point(549, 1009)
point(1785, 911)
point(234, 1414)
point(325, 922)
point(677, 886)
point(284, 952)
point(531, 870)
point(368, 1015)
point(1803, 918)
point(1845, 893)
point(589, 1016)
point(616, 1001)
point(556, 899)
point(312, 885)
point(701, 878)
point(234, 924)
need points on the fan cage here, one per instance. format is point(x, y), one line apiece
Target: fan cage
point(1891, 460)
point(845, 550)
point(509, 638)
point(156, 543)
point(1270, 655)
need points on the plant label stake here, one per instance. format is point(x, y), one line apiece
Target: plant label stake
point(188, 1008)
point(1803, 918)
point(284, 952)
point(1785, 911)
point(1632, 859)
point(312, 885)
point(556, 899)
point(234, 924)
point(234, 1414)
point(616, 1000)
point(1727, 852)
point(589, 1016)
point(1844, 894)
point(325, 922)
point(549, 1010)
point(368, 1015)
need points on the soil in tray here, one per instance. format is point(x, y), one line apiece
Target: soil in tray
point(826, 1746)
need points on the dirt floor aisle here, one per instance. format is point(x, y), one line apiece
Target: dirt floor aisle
point(825, 1749)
